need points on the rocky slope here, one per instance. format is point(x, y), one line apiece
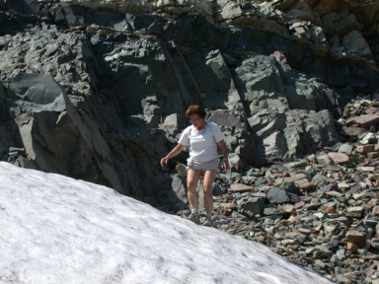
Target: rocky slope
point(125, 71)
point(60, 230)
point(96, 90)
point(322, 211)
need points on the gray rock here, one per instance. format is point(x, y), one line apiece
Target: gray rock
point(346, 148)
point(297, 164)
point(238, 187)
point(355, 44)
point(151, 110)
point(276, 98)
point(225, 118)
point(356, 237)
point(368, 138)
point(37, 93)
point(83, 133)
point(251, 206)
point(355, 211)
point(307, 131)
point(9, 135)
point(277, 195)
point(179, 191)
point(339, 158)
point(340, 23)
point(322, 252)
point(323, 159)
point(305, 30)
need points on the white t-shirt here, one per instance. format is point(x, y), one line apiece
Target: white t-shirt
point(202, 143)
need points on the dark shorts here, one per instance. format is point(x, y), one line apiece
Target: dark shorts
point(203, 166)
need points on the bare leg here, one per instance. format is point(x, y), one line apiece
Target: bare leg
point(209, 178)
point(192, 180)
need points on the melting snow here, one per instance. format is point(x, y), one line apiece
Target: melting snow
point(54, 229)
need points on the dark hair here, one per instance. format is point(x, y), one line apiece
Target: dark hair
point(195, 109)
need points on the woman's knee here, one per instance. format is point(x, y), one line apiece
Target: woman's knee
point(208, 182)
point(208, 188)
point(191, 185)
point(192, 181)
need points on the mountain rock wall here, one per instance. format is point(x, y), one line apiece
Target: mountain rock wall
point(97, 90)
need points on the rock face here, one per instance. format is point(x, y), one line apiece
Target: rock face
point(289, 113)
point(68, 128)
point(274, 75)
point(125, 71)
point(57, 137)
point(97, 90)
point(85, 233)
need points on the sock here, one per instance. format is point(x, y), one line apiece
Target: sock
point(193, 210)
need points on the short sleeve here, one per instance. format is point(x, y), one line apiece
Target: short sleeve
point(217, 133)
point(184, 138)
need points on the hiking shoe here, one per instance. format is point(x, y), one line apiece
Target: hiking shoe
point(194, 217)
point(208, 222)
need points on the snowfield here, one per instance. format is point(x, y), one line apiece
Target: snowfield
point(54, 229)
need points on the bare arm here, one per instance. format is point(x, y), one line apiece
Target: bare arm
point(173, 153)
point(225, 152)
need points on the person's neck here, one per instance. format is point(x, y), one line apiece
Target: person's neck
point(202, 126)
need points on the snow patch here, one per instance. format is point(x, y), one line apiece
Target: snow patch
point(55, 229)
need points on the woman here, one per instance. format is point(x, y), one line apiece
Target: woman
point(204, 139)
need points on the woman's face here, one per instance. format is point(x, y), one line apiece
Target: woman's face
point(197, 121)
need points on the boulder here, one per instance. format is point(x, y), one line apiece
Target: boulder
point(9, 135)
point(170, 123)
point(48, 133)
point(68, 127)
point(356, 45)
point(308, 131)
point(179, 192)
point(340, 22)
point(277, 98)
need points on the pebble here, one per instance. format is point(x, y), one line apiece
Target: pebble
point(365, 148)
point(355, 211)
point(339, 158)
point(375, 210)
point(239, 187)
point(346, 148)
point(356, 238)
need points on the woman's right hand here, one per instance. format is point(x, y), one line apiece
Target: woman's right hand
point(164, 161)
